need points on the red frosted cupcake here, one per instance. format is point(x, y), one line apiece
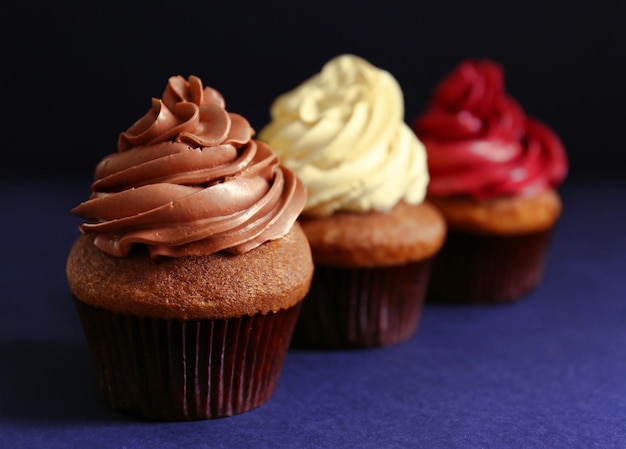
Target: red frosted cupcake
point(190, 272)
point(494, 173)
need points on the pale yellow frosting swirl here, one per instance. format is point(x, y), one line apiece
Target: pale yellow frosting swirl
point(343, 133)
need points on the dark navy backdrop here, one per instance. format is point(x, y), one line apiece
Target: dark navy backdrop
point(548, 372)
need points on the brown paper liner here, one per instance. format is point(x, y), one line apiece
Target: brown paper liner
point(186, 370)
point(362, 307)
point(487, 269)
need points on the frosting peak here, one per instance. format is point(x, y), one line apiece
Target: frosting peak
point(342, 132)
point(188, 113)
point(189, 180)
point(481, 143)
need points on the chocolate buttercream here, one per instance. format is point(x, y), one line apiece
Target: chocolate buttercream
point(189, 179)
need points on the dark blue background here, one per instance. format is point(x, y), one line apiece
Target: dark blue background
point(546, 372)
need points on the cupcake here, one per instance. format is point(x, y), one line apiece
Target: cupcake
point(494, 173)
point(371, 234)
point(191, 268)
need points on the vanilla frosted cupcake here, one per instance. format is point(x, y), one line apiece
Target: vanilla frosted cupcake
point(191, 269)
point(371, 233)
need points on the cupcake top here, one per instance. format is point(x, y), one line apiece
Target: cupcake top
point(188, 179)
point(342, 132)
point(480, 142)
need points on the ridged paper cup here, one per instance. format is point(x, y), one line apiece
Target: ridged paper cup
point(476, 268)
point(362, 307)
point(174, 370)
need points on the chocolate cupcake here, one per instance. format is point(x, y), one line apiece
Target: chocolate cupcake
point(190, 272)
point(494, 173)
point(371, 234)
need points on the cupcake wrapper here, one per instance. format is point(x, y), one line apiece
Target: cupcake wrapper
point(487, 269)
point(362, 307)
point(186, 370)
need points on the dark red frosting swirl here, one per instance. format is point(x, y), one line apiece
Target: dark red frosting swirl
point(481, 143)
point(190, 180)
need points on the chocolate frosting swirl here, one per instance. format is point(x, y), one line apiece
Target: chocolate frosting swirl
point(190, 180)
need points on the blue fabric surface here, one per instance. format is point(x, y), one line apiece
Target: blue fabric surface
point(546, 372)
